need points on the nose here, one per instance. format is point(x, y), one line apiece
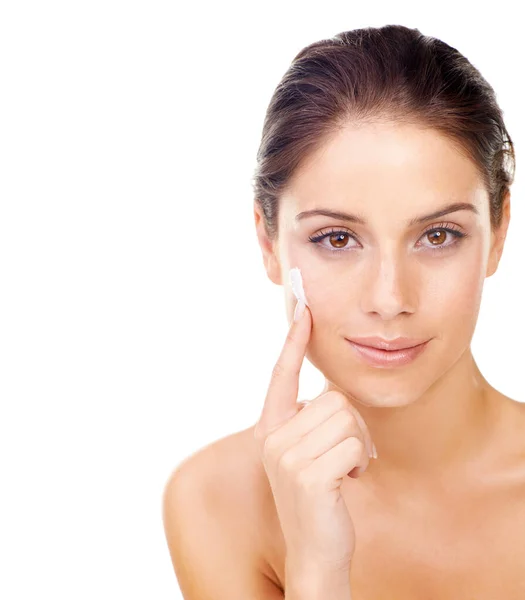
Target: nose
point(388, 288)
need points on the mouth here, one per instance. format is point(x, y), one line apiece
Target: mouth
point(378, 357)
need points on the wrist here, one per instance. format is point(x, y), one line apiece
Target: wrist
point(314, 583)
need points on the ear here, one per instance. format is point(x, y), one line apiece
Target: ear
point(268, 247)
point(498, 237)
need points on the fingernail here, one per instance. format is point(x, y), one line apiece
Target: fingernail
point(374, 450)
point(299, 310)
point(296, 281)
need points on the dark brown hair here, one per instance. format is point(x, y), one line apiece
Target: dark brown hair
point(392, 73)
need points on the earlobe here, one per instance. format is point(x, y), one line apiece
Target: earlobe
point(273, 268)
point(270, 259)
point(494, 257)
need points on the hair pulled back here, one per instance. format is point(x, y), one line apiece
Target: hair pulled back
point(392, 73)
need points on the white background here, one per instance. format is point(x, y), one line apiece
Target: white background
point(137, 321)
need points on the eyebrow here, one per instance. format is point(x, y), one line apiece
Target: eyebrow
point(450, 208)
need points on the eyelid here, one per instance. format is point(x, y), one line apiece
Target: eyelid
point(444, 225)
point(333, 230)
point(455, 230)
point(338, 229)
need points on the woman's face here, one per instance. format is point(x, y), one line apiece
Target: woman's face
point(389, 275)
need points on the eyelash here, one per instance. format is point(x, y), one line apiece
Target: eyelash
point(450, 228)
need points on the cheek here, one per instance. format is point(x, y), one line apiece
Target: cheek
point(449, 309)
point(328, 294)
point(448, 287)
point(454, 291)
point(316, 277)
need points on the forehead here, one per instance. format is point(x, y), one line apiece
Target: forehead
point(389, 164)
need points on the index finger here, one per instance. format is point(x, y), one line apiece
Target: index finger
point(281, 398)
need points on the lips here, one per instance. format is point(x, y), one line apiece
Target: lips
point(387, 358)
point(399, 343)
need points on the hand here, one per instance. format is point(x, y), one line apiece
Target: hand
point(307, 451)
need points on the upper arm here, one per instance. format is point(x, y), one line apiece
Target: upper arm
point(211, 551)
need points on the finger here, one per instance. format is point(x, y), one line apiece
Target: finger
point(364, 427)
point(349, 456)
point(322, 408)
point(328, 434)
point(318, 410)
point(281, 398)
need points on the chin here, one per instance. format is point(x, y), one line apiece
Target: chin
point(372, 387)
point(383, 394)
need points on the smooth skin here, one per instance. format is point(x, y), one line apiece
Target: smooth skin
point(306, 451)
point(306, 448)
point(441, 512)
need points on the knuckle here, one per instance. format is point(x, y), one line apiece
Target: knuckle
point(337, 400)
point(278, 370)
point(347, 419)
point(288, 461)
point(290, 338)
point(356, 445)
point(306, 480)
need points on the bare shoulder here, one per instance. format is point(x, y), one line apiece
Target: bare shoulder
point(228, 473)
point(218, 497)
point(512, 424)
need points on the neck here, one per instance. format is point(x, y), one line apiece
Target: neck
point(439, 432)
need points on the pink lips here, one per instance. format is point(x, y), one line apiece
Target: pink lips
point(388, 358)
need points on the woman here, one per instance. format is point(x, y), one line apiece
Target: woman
point(383, 177)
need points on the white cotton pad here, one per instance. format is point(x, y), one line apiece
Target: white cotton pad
point(296, 282)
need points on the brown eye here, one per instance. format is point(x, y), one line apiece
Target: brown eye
point(338, 240)
point(335, 240)
point(437, 237)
